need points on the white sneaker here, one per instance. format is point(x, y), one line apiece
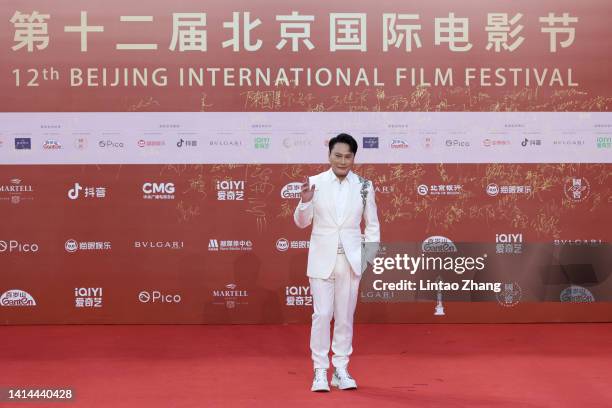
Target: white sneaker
point(319, 383)
point(343, 380)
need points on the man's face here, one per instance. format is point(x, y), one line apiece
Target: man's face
point(341, 159)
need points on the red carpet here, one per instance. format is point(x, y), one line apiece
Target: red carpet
point(419, 365)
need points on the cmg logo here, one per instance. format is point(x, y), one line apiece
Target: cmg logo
point(158, 188)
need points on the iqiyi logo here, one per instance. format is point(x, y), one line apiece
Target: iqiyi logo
point(262, 142)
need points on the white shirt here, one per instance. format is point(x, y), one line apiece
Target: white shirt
point(340, 190)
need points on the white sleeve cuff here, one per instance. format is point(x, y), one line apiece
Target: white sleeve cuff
point(304, 206)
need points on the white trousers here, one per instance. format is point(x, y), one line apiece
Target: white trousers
point(334, 297)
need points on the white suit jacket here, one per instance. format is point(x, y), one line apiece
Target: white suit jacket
point(327, 230)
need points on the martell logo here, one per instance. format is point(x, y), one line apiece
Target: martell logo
point(230, 290)
point(15, 192)
point(230, 297)
point(16, 298)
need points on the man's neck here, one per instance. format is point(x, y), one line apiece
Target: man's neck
point(340, 178)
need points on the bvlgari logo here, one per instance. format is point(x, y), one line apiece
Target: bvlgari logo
point(159, 244)
point(233, 143)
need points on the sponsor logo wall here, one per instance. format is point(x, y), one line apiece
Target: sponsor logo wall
point(291, 137)
point(136, 234)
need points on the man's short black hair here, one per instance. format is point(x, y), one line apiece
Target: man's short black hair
point(344, 138)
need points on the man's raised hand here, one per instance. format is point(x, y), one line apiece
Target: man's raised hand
point(307, 193)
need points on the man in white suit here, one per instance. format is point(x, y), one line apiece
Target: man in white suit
point(335, 202)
